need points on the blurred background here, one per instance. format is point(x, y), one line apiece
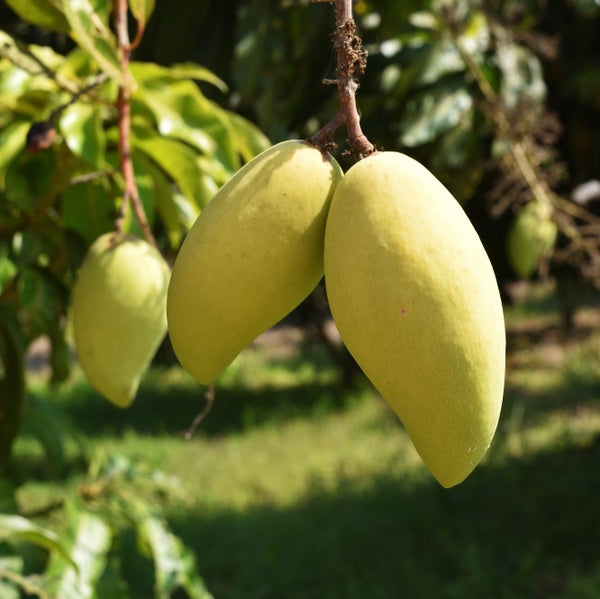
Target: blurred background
point(300, 482)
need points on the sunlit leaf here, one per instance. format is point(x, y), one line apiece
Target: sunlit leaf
point(81, 128)
point(149, 71)
point(11, 567)
point(178, 111)
point(173, 562)
point(178, 160)
point(89, 554)
point(17, 528)
point(164, 197)
point(93, 35)
point(522, 75)
point(12, 141)
point(142, 9)
point(46, 14)
point(248, 138)
point(433, 112)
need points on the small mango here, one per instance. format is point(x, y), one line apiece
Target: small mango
point(415, 299)
point(254, 253)
point(531, 238)
point(119, 313)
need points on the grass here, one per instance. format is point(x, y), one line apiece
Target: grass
point(296, 489)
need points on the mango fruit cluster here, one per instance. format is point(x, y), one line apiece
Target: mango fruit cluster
point(410, 286)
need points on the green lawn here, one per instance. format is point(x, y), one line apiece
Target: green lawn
point(293, 488)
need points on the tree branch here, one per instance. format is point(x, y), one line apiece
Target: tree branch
point(351, 63)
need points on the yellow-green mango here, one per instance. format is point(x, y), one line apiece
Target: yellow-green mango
point(254, 253)
point(531, 238)
point(415, 299)
point(118, 313)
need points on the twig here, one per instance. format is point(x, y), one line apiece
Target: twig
point(130, 193)
point(351, 63)
point(209, 396)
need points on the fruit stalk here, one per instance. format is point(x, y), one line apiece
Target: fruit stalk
point(351, 63)
point(130, 193)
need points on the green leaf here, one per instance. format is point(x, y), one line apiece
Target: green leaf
point(46, 14)
point(93, 35)
point(249, 139)
point(12, 141)
point(522, 74)
point(12, 390)
point(8, 270)
point(149, 71)
point(89, 553)
point(81, 127)
point(15, 528)
point(433, 112)
point(142, 9)
point(176, 159)
point(173, 562)
point(164, 197)
point(181, 111)
point(89, 209)
point(11, 578)
point(52, 428)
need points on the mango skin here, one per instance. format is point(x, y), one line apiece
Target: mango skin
point(118, 312)
point(254, 253)
point(415, 298)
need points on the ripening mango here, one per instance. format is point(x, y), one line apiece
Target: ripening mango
point(254, 253)
point(119, 313)
point(531, 238)
point(415, 299)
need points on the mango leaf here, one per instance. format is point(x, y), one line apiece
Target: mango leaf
point(149, 71)
point(81, 127)
point(46, 14)
point(178, 112)
point(166, 205)
point(522, 74)
point(11, 578)
point(93, 35)
point(249, 139)
point(52, 428)
point(12, 141)
point(12, 390)
point(433, 112)
point(89, 209)
point(88, 558)
point(16, 528)
point(176, 159)
point(142, 9)
point(41, 300)
point(173, 561)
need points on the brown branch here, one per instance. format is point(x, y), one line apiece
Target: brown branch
point(351, 63)
point(130, 193)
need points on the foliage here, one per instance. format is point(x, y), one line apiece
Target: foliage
point(116, 495)
point(72, 117)
point(54, 203)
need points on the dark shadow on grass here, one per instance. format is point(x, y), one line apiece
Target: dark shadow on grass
point(170, 409)
point(519, 529)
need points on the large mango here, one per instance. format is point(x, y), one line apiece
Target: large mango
point(254, 253)
point(119, 313)
point(416, 302)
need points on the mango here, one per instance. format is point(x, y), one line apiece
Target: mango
point(118, 312)
point(531, 238)
point(254, 253)
point(415, 299)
